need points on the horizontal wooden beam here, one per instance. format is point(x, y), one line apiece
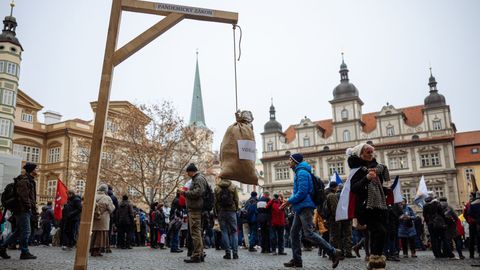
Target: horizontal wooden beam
point(194, 13)
point(146, 37)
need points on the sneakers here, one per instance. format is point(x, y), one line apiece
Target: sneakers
point(3, 253)
point(293, 264)
point(336, 258)
point(27, 256)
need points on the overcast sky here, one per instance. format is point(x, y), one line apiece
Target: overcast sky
point(291, 52)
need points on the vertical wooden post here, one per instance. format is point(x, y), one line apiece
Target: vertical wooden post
point(81, 257)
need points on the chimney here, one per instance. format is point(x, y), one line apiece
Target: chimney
point(52, 117)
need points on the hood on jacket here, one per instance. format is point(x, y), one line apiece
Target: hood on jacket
point(303, 166)
point(124, 203)
point(224, 183)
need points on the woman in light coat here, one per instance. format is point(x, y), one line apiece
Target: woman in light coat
point(101, 221)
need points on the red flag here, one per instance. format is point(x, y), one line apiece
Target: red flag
point(60, 199)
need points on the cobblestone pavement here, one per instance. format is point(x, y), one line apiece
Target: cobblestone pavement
point(146, 258)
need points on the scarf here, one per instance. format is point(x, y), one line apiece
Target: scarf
point(376, 196)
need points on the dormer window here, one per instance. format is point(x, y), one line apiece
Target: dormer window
point(27, 117)
point(306, 142)
point(390, 130)
point(346, 135)
point(344, 114)
point(437, 124)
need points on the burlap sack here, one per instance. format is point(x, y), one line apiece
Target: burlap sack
point(237, 151)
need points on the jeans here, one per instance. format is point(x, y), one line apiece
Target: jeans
point(278, 238)
point(174, 239)
point(303, 221)
point(46, 228)
point(228, 225)
point(252, 239)
point(22, 231)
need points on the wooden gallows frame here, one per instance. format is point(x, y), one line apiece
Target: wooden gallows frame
point(113, 57)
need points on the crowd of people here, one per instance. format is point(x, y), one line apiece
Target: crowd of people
point(199, 218)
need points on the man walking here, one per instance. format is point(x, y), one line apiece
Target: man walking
point(303, 207)
point(226, 206)
point(25, 209)
point(194, 197)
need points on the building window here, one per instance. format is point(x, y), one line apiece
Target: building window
point(8, 98)
point(474, 150)
point(430, 159)
point(80, 187)
point(306, 142)
point(406, 195)
point(12, 68)
point(83, 154)
point(398, 162)
point(5, 127)
point(27, 153)
point(26, 117)
point(51, 187)
point(346, 135)
point(335, 167)
point(2, 66)
point(269, 146)
point(468, 174)
point(438, 192)
point(112, 126)
point(282, 173)
point(54, 155)
point(344, 114)
point(390, 130)
point(437, 124)
point(132, 191)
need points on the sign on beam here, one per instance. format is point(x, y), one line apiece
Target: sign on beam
point(185, 9)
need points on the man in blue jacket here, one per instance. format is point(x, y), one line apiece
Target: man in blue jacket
point(303, 207)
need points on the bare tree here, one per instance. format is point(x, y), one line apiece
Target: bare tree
point(148, 149)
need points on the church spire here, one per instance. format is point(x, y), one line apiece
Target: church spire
point(9, 24)
point(197, 117)
point(343, 71)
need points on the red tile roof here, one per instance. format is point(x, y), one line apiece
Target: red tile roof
point(465, 155)
point(467, 138)
point(413, 115)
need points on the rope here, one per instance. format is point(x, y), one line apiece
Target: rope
point(235, 60)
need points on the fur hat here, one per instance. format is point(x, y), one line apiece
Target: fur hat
point(192, 168)
point(297, 158)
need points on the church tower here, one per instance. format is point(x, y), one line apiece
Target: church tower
point(346, 109)
point(10, 58)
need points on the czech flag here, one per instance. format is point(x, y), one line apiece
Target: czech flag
point(346, 203)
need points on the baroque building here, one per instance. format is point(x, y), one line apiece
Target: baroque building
point(412, 141)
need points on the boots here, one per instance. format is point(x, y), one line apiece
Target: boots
point(376, 262)
point(3, 253)
point(227, 255)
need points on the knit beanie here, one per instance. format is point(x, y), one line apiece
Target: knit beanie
point(192, 168)
point(297, 158)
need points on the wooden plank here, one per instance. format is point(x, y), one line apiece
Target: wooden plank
point(194, 13)
point(81, 256)
point(146, 37)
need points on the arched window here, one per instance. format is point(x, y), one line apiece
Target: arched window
point(344, 114)
point(270, 146)
point(437, 124)
point(346, 135)
point(390, 130)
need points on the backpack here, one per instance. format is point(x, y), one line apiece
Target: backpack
point(251, 210)
point(226, 198)
point(318, 194)
point(208, 198)
point(9, 198)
